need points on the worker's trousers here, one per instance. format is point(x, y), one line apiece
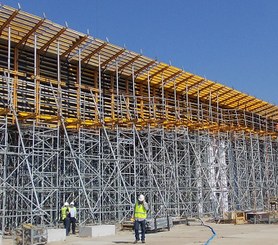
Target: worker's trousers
point(140, 224)
point(73, 224)
point(67, 225)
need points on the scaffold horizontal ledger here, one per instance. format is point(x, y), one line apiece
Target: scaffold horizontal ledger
point(86, 121)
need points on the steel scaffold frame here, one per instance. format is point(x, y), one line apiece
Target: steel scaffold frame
point(72, 131)
point(182, 172)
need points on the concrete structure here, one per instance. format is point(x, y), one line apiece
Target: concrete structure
point(55, 235)
point(97, 230)
point(86, 121)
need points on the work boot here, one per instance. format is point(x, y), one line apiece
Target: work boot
point(136, 241)
point(143, 241)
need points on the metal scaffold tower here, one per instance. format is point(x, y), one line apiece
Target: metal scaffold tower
point(86, 121)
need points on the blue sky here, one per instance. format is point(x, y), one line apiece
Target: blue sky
point(233, 42)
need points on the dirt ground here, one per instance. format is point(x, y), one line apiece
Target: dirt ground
point(226, 234)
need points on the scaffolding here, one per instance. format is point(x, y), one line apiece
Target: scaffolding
point(86, 121)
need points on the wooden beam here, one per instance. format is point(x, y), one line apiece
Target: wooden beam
point(144, 67)
point(157, 72)
point(57, 35)
point(232, 102)
point(129, 62)
point(171, 77)
point(182, 81)
point(74, 45)
point(8, 21)
point(217, 90)
point(273, 114)
point(271, 111)
point(263, 108)
point(246, 102)
point(97, 50)
point(206, 87)
point(257, 102)
point(25, 38)
point(195, 84)
point(105, 63)
point(221, 95)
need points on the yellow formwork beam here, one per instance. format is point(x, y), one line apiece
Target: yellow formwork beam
point(4, 111)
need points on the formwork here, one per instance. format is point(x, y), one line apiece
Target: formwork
point(87, 121)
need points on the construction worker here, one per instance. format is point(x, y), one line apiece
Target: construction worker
point(139, 215)
point(72, 213)
point(65, 217)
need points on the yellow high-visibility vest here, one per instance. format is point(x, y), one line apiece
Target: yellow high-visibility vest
point(139, 211)
point(64, 212)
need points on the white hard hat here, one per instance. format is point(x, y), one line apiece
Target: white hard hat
point(66, 203)
point(72, 203)
point(141, 198)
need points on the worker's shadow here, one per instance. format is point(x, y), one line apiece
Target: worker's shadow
point(123, 242)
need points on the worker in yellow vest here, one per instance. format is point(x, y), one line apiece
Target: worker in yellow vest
point(65, 217)
point(139, 215)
